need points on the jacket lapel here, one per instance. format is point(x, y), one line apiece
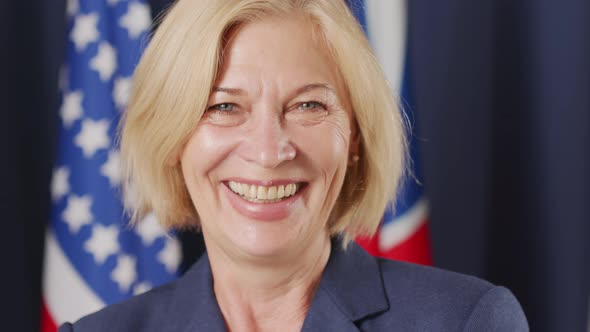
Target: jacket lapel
point(324, 315)
point(350, 290)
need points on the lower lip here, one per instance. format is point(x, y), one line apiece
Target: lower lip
point(261, 211)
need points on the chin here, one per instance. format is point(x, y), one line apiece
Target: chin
point(265, 240)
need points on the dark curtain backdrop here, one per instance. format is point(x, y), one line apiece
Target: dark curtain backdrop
point(503, 98)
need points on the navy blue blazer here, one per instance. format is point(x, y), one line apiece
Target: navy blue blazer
point(357, 292)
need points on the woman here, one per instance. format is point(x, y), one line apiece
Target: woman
point(269, 125)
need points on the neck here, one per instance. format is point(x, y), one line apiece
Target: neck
point(269, 295)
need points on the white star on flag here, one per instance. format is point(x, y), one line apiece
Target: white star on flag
point(149, 229)
point(124, 274)
point(103, 242)
point(93, 136)
point(111, 169)
point(170, 255)
point(141, 288)
point(105, 61)
point(130, 196)
point(71, 109)
point(84, 31)
point(112, 2)
point(77, 212)
point(59, 183)
point(121, 91)
point(137, 19)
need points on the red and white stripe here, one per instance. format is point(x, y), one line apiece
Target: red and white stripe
point(406, 238)
point(66, 297)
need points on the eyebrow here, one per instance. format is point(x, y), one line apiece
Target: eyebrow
point(229, 91)
point(305, 88)
point(315, 86)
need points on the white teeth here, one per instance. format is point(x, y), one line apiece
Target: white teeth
point(261, 193)
point(234, 186)
point(281, 192)
point(272, 193)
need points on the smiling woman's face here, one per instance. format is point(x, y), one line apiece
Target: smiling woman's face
point(266, 163)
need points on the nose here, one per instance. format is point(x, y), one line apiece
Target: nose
point(266, 141)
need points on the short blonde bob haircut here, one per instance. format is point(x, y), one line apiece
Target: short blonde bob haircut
point(175, 76)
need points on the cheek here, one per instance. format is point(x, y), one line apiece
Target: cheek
point(325, 144)
point(206, 148)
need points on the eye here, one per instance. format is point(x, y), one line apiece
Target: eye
point(307, 113)
point(223, 107)
point(224, 114)
point(311, 105)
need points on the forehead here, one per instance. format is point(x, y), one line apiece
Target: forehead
point(278, 49)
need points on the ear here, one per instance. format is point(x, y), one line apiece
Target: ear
point(354, 145)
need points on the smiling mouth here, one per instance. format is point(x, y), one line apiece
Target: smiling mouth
point(265, 194)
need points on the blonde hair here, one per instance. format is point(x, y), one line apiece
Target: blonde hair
point(172, 85)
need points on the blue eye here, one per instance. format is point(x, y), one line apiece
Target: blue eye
point(310, 105)
point(223, 107)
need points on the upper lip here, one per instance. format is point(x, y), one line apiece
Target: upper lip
point(266, 183)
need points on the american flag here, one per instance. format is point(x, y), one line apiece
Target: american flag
point(403, 234)
point(92, 256)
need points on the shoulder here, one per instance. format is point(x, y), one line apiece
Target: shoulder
point(384, 295)
point(427, 298)
point(136, 314)
point(185, 304)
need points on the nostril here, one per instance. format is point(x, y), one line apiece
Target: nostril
point(286, 151)
point(274, 154)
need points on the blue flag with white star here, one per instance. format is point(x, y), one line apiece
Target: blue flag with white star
point(93, 258)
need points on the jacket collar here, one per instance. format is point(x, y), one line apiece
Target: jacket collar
point(350, 289)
